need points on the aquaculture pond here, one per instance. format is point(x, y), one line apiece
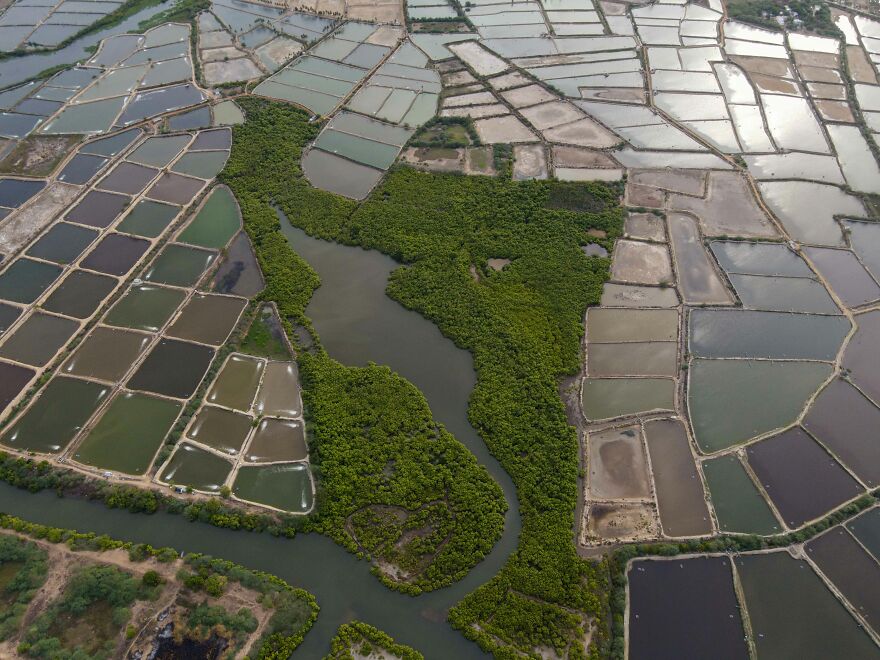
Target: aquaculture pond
point(705, 621)
point(277, 440)
point(207, 319)
point(236, 385)
point(220, 429)
point(794, 615)
point(56, 417)
point(80, 294)
point(145, 307)
point(106, 354)
point(736, 500)
point(216, 222)
point(283, 486)
point(195, 468)
point(239, 273)
point(172, 368)
point(148, 218)
point(129, 433)
point(179, 265)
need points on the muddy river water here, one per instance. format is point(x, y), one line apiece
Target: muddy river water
point(357, 323)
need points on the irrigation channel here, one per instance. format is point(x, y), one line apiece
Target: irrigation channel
point(357, 323)
point(14, 70)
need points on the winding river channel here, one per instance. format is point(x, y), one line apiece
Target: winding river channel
point(357, 323)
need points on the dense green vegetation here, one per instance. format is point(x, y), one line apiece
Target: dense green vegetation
point(446, 132)
point(795, 15)
point(364, 640)
point(22, 573)
point(523, 326)
point(260, 339)
point(85, 621)
point(373, 442)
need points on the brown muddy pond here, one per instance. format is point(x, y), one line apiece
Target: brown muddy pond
point(789, 465)
point(236, 385)
point(705, 622)
point(13, 378)
point(116, 254)
point(98, 208)
point(175, 188)
point(847, 423)
point(36, 341)
point(618, 467)
point(220, 429)
point(207, 318)
point(80, 294)
point(633, 359)
point(106, 354)
point(279, 393)
point(632, 295)
point(637, 325)
point(606, 398)
point(129, 178)
point(173, 368)
point(277, 440)
point(680, 498)
point(55, 418)
point(852, 570)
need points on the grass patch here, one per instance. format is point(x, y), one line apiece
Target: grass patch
point(264, 338)
point(38, 155)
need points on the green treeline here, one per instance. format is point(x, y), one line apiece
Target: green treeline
point(523, 326)
point(22, 572)
point(363, 639)
point(392, 484)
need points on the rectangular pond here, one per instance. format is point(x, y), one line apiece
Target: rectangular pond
point(789, 466)
point(207, 318)
point(106, 354)
point(738, 505)
point(705, 622)
point(38, 339)
point(846, 422)
point(63, 243)
point(680, 498)
point(80, 294)
point(195, 468)
point(852, 570)
point(217, 221)
point(172, 368)
point(220, 429)
point(618, 467)
point(606, 398)
point(277, 440)
point(286, 487)
point(25, 280)
point(279, 393)
point(145, 307)
point(129, 433)
point(179, 265)
point(236, 385)
point(794, 615)
point(148, 219)
point(55, 418)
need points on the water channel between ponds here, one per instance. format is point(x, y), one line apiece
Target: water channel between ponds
point(357, 323)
